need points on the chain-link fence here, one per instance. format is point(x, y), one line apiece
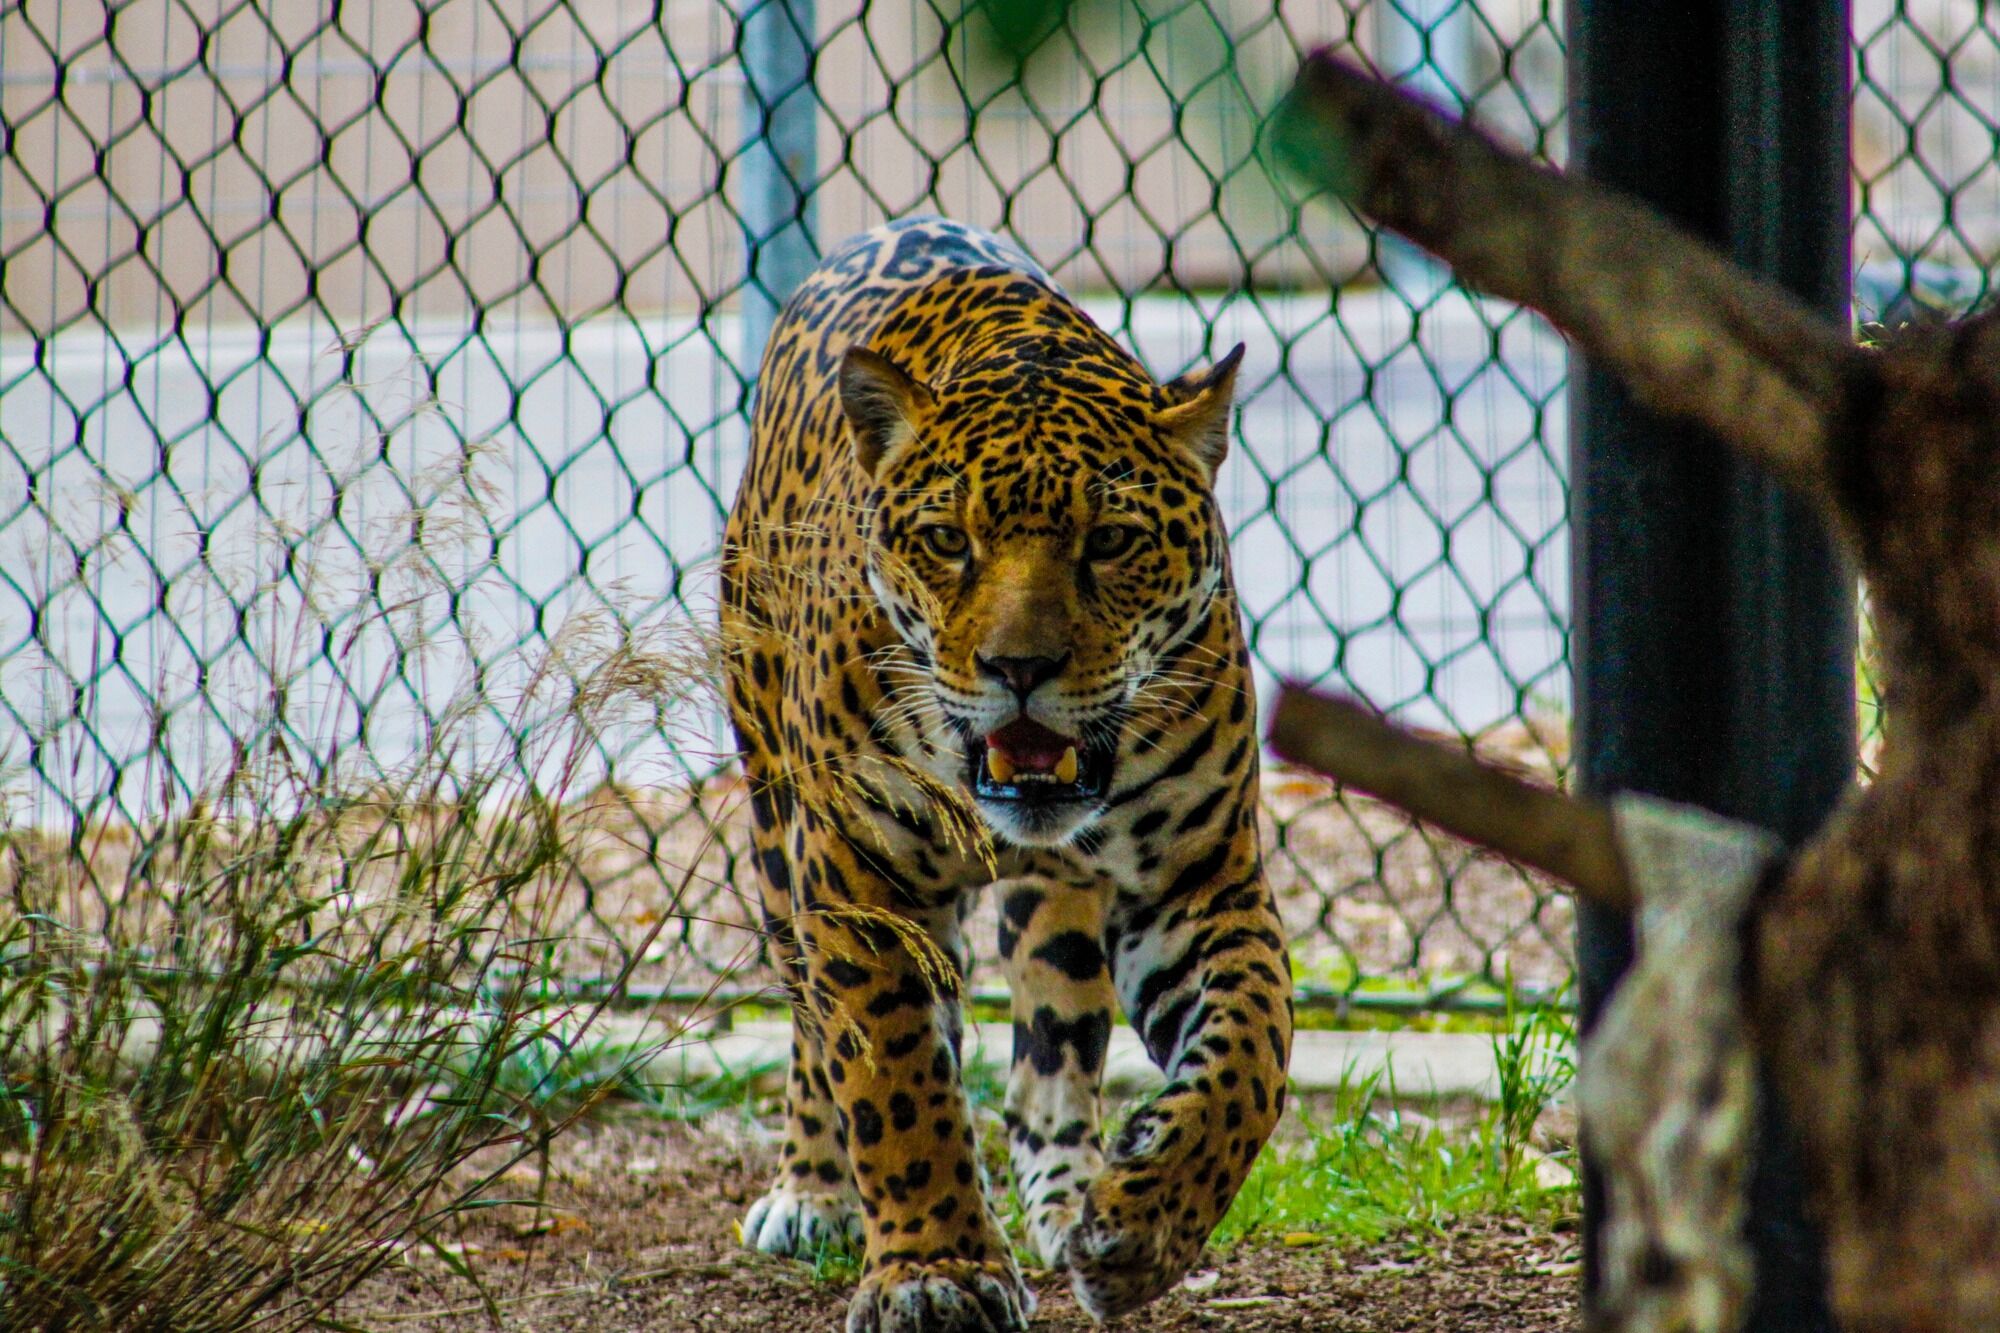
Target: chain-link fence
point(349, 350)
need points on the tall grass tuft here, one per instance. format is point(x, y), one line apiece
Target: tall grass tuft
point(252, 1049)
point(1533, 1061)
point(270, 1020)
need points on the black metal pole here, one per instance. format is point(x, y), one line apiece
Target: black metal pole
point(1713, 621)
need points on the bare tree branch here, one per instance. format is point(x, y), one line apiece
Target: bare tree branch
point(1568, 837)
point(1687, 332)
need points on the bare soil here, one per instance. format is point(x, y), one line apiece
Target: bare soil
point(631, 1227)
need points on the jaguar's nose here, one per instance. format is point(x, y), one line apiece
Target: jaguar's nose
point(1022, 675)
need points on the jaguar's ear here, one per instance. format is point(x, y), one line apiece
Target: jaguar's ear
point(1197, 412)
point(881, 403)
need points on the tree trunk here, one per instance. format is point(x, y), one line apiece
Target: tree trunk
point(1870, 966)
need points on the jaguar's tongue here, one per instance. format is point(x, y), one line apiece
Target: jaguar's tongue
point(1024, 748)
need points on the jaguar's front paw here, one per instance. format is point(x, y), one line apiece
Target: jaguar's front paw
point(1049, 1226)
point(1118, 1259)
point(950, 1296)
point(803, 1225)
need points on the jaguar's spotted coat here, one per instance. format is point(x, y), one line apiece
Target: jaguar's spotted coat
point(982, 631)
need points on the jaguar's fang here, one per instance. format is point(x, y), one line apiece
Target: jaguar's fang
point(998, 765)
point(1066, 766)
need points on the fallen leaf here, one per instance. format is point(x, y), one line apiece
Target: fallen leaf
point(1385, 1266)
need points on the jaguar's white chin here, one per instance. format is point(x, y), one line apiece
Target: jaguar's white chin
point(1036, 825)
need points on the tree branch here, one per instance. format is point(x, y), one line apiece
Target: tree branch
point(1567, 837)
point(1690, 334)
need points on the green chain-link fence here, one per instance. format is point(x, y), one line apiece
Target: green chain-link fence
point(347, 350)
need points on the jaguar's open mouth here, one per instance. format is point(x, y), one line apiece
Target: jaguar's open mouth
point(1027, 762)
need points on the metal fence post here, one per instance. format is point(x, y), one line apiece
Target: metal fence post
point(779, 162)
point(1713, 622)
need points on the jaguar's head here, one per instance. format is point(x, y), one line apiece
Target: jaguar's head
point(1044, 534)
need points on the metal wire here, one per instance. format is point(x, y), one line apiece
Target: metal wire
point(348, 352)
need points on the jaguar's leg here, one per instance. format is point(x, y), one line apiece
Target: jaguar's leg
point(812, 1207)
point(936, 1260)
point(1051, 945)
point(1204, 978)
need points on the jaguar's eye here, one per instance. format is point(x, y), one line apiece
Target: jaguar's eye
point(1109, 542)
point(947, 542)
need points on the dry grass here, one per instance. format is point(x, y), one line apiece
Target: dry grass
point(245, 1047)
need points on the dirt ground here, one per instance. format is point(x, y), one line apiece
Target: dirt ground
point(633, 1231)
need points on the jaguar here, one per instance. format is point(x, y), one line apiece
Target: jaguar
point(981, 633)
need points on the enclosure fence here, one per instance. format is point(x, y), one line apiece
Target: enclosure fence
point(357, 358)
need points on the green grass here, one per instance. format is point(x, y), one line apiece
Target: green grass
point(559, 1076)
point(835, 1267)
point(1535, 1065)
point(1370, 1168)
point(733, 1092)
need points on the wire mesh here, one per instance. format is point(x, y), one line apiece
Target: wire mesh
point(351, 356)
